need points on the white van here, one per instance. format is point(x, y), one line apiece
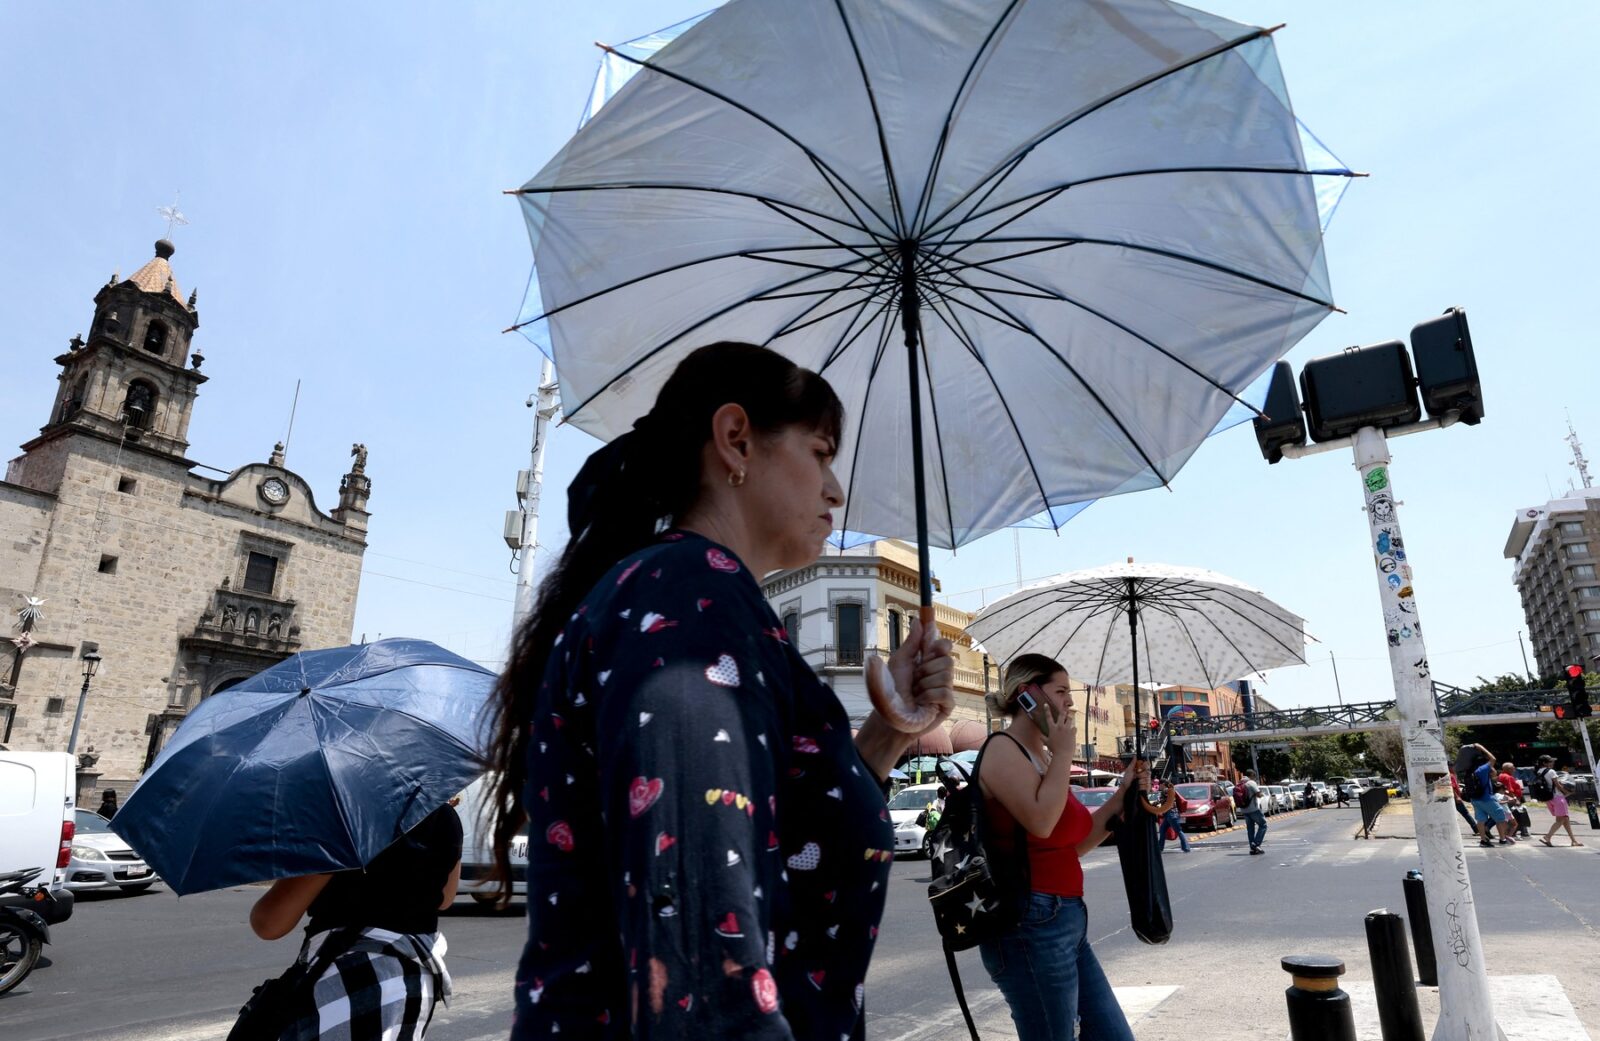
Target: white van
point(37, 792)
point(476, 860)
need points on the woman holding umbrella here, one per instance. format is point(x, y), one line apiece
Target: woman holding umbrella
point(708, 848)
point(1045, 967)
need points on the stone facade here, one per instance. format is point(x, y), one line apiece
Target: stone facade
point(184, 584)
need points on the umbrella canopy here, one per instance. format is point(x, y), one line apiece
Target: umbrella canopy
point(967, 734)
point(317, 764)
point(1195, 627)
point(1188, 625)
point(1038, 247)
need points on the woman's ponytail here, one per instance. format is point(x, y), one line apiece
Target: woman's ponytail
point(625, 494)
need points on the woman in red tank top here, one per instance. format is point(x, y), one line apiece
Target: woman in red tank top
point(1045, 967)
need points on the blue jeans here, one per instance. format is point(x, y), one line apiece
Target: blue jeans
point(1051, 979)
point(1255, 826)
point(1174, 820)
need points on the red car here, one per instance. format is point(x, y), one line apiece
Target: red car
point(1094, 798)
point(1209, 806)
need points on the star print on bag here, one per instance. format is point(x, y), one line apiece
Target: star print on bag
point(725, 672)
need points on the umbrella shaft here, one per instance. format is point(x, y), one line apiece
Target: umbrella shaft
point(911, 322)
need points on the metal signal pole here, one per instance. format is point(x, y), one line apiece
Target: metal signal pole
point(1465, 1011)
point(545, 409)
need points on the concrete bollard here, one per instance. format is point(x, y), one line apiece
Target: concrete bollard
point(1421, 929)
point(1318, 1009)
point(1398, 1015)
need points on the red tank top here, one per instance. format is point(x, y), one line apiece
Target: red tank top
point(1053, 864)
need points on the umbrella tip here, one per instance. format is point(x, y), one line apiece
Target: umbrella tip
point(1130, 560)
point(304, 691)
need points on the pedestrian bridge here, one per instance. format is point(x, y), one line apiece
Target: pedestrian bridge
point(1456, 707)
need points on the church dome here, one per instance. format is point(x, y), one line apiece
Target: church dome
point(156, 275)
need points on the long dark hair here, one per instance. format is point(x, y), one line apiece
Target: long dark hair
point(622, 498)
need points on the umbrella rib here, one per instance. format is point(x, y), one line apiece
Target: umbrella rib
point(933, 405)
point(658, 348)
point(794, 325)
point(1075, 374)
point(1006, 166)
point(959, 331)
point(1057, 189)
point(877, 122)
point(1100, 669)
point(1229, 640)
point(749, 254)
point(664, 186)
point(1205, 669)
point(1050, 294)
point(866, 397)
point(1157, 251)
point(847, 339)
point(950, 114)
point(775, 128)
point(1299, 655)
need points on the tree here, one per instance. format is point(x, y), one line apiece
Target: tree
point(1321, 757)
point(1505, 683)
point(1386, 747)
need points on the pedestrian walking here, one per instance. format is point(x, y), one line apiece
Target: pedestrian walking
point(1476, 764)
point(1341, 794)
point(709, 850)
point(1173, 806)
point(383, 922)
point(1514, 798)
point(1461, 803)
point(1248, 794)
point(108, 804)
point(1045, 967)
point(1557, 801)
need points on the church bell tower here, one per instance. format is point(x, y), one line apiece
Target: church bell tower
point(134, 378)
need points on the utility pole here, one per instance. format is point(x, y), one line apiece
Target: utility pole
point(530, 484)
point(1338, 691)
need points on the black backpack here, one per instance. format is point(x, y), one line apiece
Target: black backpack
point(1541, 788)
point(976, 894)
point(1472, 788)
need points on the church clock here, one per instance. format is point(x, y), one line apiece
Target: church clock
point(275, 491)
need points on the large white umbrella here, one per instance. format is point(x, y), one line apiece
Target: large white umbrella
point(1039, 247)
point(1187, 625)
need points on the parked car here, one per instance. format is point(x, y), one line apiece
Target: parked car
point(1583, 788)
point(477, 862)
point(1282, 801)
point(101, 859)
point(1094, 798)
point(36, 826)
point(1323, 792)
point(904, 809)
point(1210, 806)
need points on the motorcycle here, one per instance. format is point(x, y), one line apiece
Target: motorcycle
point(26, 914)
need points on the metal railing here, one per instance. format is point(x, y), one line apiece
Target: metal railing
point(1452, 703)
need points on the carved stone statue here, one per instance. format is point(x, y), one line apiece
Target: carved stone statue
point(360, 452)
point(87, 758)
point(274, 625)
point(230, 616)
point(252, 621)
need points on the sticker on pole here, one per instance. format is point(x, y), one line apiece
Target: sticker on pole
point(1377, 479)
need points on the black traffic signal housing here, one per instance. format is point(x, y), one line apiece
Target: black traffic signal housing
point(1446, 369)
point(1281, 422)
point(1577, 694)
point(1368, 386)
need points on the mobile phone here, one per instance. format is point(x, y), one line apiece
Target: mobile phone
point(1026, 702)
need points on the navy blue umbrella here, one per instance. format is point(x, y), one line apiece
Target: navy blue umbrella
point(317, 764)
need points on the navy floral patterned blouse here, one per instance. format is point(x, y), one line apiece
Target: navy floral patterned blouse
point(707, 854)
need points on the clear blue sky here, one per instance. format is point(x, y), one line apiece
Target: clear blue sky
point(342, 165)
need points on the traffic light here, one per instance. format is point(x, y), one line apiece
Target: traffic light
point(1360, 387)
point(1446, 370)
point(1577, 694)
point(1281, 422)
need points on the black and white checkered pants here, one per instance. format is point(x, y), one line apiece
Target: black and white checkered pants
point(383, 989)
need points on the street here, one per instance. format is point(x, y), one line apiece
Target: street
point(151, 968)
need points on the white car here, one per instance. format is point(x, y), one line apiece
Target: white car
point(102, 860)
point(904, 809)
point(477, 862)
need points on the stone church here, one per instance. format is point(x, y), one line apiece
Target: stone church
point(111, 542)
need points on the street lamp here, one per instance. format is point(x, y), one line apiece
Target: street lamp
point(91, 664)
